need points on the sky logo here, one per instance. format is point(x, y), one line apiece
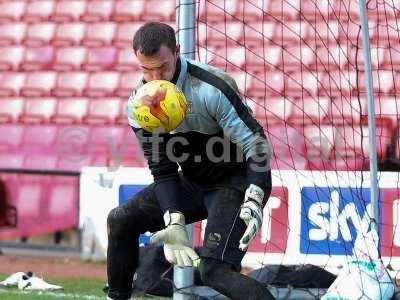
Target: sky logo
point(331, 217)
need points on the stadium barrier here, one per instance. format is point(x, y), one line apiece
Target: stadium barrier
point(311, 217)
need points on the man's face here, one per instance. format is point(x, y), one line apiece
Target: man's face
point(160, 66)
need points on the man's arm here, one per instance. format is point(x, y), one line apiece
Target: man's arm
point(239, 125)
point(241, 128)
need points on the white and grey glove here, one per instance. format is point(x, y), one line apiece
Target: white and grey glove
point(177, 247)
point(251, 213)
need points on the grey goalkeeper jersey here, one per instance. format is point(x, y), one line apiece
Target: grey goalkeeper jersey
point(218, 136)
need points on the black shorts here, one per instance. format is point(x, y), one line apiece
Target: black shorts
point(219, 204)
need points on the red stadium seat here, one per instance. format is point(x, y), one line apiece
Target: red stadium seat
point(69, 59)
point(303, 84)
point(130, 152)
point(332, 58)
point(159, 10)
point(323, 33)
point(69, 34)
point(11, 83)
point(124, 34)
point(29, 197)
point(345, 10)
point(80, 160)
point(258, 59)
point(11, 136)
point(39, 11)
point(356, 57)
point(383, 140)
point(40, 161)
point(106, 139)
point(71, 84)
point(126, 60)
point(39, 84)
point(383, 82)
point(387, 111)
point(274, 110)
point(352, 139)
point(64, 211)
point(100, 59)
point(11, 57)
point(98, 11)
point(127, 10)
point(397, 144)
point(284, 9)
point(102, 84)
point(257, 34)
point(40, 138)
point(38, 110)
point(12, 33)
point(291, 32)
point(314, 11)
point(319, 145)
point(11, 109)
point(211, 11)
point(253, 10)
point(344, 111)
point(11, 160)
point(127, 83)
point(220, 34)
point(39, 34)
point(69, 10)
point(74, 151)
point(103, 111)
point(338, 83)
point(353, 142)
point(270, 85)
point(287, 143)
point(350, 33)
point(39, 58)
point(297, 57)
point(231, 58)
point(12, 11)
point(122, 117)
point(309, 111)
point(99, 34)
point(70, 110)
point(396, 83)
point(386, 10)
point(391, 57)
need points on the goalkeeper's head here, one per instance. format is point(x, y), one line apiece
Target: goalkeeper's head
point(156, 49)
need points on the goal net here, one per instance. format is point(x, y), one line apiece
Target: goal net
point(299, 65)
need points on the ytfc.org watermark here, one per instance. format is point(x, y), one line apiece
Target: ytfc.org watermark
point(76, 145)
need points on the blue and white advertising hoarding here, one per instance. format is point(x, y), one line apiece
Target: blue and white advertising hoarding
point(311, 216)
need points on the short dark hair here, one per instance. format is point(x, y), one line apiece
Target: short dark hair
point(151, 36)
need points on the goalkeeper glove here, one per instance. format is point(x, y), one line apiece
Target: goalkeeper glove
point(251, 213)
point(177, 247)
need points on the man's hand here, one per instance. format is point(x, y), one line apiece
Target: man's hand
point(177, 248)
point(251, 213)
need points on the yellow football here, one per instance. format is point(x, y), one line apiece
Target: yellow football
point(159, 106)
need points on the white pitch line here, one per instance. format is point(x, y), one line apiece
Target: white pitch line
point(53, 294)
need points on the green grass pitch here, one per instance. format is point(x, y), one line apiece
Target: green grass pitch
point(78, 289)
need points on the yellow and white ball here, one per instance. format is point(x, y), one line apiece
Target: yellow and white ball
point(159, 106)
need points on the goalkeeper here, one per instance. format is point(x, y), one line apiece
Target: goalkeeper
point(225, 162)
